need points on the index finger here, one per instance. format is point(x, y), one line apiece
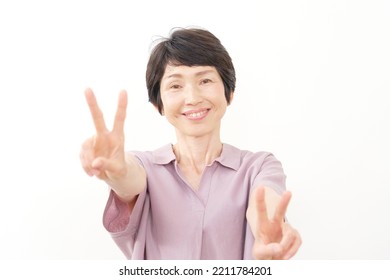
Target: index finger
point(281, 209)
point(260, 205)
point(96, 113)
point(120, 112)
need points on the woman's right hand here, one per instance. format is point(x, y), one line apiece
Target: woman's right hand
point(103, 155)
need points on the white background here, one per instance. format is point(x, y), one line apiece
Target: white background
point(312, 87)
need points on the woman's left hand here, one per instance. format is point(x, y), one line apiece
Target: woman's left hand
point(274, 238)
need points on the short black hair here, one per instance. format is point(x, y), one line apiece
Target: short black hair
point(189, 47)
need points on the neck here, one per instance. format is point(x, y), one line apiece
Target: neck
point(197, 152)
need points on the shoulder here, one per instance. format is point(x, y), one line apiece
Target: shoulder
point(160, 156)
point(245, 157)
point(261, 168)
point(258, 168)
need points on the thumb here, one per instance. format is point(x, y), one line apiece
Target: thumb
point(263, 251)
point(97, 167)
point(99, 163)
point(103, 165)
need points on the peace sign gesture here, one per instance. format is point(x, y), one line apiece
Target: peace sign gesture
point(103, 154)
point(274, 238)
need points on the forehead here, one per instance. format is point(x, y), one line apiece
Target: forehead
point(182, 70)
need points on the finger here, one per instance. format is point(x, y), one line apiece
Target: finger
point(281, 208)
point(86, 157)
point(96, 113)
point(266, 252)
point(85, 165)
point(104, 165)
point(297, 242)
point(260, 205)
point(288, 239)
point(98, 168)
point(120, 112)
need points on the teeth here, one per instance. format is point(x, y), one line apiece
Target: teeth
point(197, 114)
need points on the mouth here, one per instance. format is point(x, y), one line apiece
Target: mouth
point(196, 114)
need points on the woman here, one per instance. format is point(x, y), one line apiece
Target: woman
point(199, 198)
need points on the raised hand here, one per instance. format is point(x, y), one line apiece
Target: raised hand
point(103, 154)
point(274, 238)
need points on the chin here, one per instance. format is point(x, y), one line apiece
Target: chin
point(197, 133)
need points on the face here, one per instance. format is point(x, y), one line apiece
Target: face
point(193, 99)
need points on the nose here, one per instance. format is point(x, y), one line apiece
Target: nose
point(192, 95)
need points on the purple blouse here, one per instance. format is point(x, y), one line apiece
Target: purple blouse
point(172, 221)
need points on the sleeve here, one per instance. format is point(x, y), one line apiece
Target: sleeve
point(124, 224)
point(117, 216)
point(270, 174)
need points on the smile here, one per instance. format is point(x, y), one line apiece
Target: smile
point(196, 115)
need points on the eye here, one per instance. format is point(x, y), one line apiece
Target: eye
point(175, 86)
point(205, 81)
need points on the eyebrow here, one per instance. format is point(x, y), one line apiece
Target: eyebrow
point(197, 74)
point(204, 72)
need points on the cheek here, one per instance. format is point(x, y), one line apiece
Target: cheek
point(217, 94)
point(170, 104)
point(220, 100)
